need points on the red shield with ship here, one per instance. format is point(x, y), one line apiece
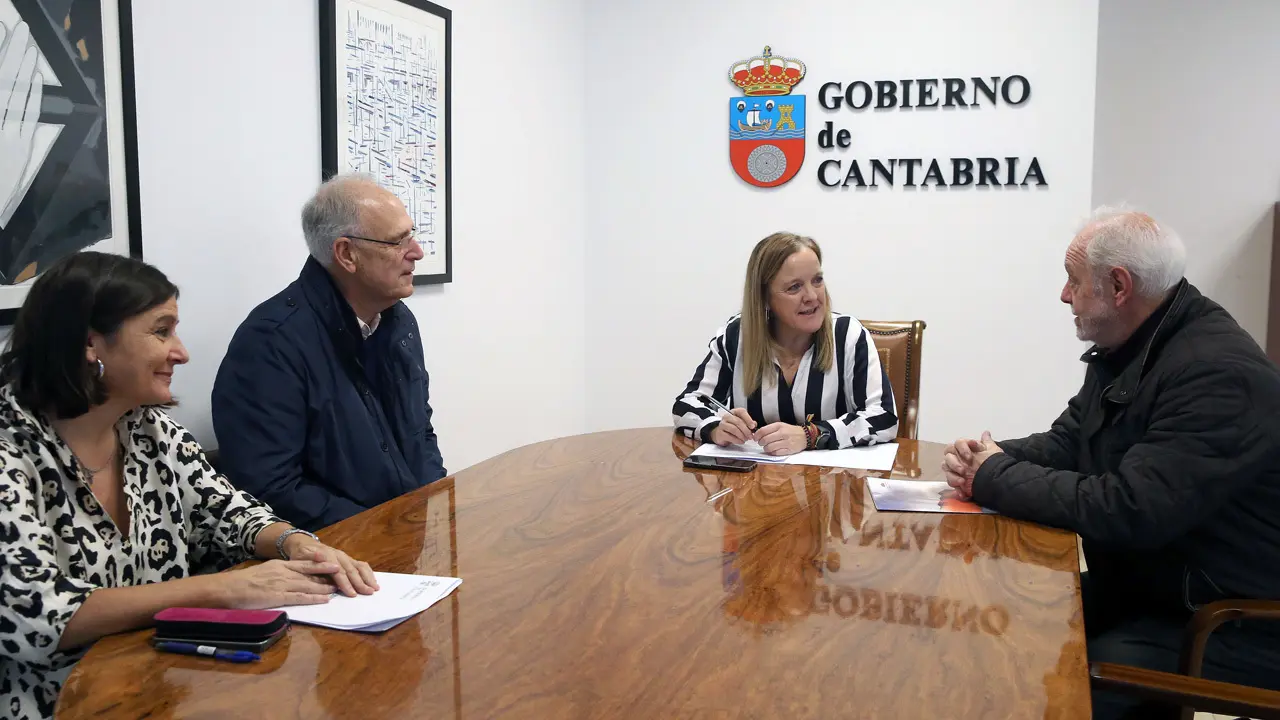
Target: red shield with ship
point(766, 123)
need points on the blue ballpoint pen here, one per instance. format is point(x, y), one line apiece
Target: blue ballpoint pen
point(236, 656)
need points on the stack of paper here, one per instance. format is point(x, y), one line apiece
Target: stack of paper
point(920, 496)
point(749, 450)
point(871, 457)
point(398, 598)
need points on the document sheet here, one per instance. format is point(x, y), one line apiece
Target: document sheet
point(871, 457)
point(399, 598)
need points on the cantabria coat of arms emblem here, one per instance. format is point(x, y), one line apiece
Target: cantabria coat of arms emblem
point(766, 122)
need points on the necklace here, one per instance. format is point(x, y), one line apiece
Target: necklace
point(94, 471)
point(87, 473)
point(789, 362)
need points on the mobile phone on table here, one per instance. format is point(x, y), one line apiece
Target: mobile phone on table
point(252, 630)
point(257, 646)
point(711, 462)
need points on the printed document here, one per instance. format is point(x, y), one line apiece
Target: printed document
point(399, 598)
point(871, 457)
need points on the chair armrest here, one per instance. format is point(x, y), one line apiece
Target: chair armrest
point(1214, 614)
point(1208, 618)
point(1204, 695)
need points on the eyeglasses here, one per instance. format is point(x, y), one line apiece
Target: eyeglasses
point(412, 237)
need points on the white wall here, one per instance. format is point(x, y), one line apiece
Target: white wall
point(229, 149)
point(671, 225)
point(1188, 111)
point(229, 144)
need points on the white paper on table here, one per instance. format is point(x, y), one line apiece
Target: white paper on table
point(379, 627)
point(867, 457)
point(750, 450)
point(398, 598)
point(870, 457)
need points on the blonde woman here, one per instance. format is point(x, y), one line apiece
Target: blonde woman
point(792, 375)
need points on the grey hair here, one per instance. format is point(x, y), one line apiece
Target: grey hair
point(333, 212)
point(1152, 253)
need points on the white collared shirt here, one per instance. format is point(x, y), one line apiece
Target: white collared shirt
point(366, 329)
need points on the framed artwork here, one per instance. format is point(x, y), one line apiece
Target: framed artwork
point(68, 138)
point(384, 100)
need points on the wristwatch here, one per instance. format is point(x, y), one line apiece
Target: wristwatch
point(285, 535)
point(824, 438)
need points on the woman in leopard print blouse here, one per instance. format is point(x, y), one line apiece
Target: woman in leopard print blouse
point(106, 504)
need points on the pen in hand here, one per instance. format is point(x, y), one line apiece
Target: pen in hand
point(726, 412)
point(716, 403)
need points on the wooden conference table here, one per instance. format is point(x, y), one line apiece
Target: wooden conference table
point(600, 582)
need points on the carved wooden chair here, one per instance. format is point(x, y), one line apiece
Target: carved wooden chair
point(899, 344)
point(1186, 691)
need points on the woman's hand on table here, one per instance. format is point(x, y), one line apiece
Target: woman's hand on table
point(351, 577)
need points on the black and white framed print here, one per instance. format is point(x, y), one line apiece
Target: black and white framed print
point(68, 141)
point(384, 98)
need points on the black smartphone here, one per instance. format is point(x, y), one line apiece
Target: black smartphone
point(710, 462)
point(257, 646)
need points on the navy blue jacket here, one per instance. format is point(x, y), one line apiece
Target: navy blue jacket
point(304, 425)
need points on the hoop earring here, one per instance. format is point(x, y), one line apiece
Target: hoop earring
point(101, 369)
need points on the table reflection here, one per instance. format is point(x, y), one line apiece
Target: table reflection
point(799, 541)
point(602, 581)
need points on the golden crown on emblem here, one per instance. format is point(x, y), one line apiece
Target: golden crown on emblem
point(767, 74)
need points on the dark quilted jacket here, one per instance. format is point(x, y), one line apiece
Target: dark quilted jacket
point(1170, 471)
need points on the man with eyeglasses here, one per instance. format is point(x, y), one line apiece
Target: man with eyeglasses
point(321, 405)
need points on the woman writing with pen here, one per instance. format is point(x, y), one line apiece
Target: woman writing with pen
point(788, 373)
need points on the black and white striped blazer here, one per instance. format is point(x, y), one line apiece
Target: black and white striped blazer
point(853, 399)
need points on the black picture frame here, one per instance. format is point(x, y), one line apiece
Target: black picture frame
point(73, 196)
point(335, 139)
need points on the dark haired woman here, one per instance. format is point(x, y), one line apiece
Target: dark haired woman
point(106, 503)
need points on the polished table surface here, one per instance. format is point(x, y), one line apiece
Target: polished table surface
point(601, 579)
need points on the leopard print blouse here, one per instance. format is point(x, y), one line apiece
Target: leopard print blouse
point(57, 544)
